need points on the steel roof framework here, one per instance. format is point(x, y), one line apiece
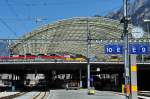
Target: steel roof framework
point(70, 36)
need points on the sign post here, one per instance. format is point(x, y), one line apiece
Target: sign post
point(126, 49)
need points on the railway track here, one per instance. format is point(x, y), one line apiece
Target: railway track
point(144, 95)
point(33, 95)
point(28, 95)
point(41, 95)
point(46, 95)
point(13, 96)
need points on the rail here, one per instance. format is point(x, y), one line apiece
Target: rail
point(144, 95)
point(41, 95)
point(13, 96)
point(36, 95)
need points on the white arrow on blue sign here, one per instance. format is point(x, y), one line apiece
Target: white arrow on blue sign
point(133, 49)
point(138, 49)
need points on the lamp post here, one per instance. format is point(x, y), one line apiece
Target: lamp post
point(126, 53)
point(88, 59)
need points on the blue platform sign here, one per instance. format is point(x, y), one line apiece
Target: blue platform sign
point(113, 49)
point(138, 49)
point(133, 49)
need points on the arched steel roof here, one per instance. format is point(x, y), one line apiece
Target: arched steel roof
point(70, 36)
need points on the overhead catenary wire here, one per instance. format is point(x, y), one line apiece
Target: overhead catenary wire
point(15, 13)
point(48, 3)
point(11, 8)
point(8, 27)
point(41, 2)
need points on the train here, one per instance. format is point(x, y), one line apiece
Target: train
point(115, 58)
point(44, 56)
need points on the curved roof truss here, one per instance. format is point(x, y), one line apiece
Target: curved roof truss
point(70, 36)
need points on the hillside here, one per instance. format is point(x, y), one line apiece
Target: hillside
point(138, 11)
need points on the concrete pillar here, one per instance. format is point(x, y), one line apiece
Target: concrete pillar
point(15, 77)
point(120, 81)
point(13, 83)
point(80, 78)
point(133, 77)
point(70, 76)
point(21, 79)
point(48, 78)
point(115, 78)
point(65, 76)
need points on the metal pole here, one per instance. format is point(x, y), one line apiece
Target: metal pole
point(148, 30)
point(88, 60)
point(80, 78)
point(12, 83)
point(147, 21)
point(142, 58)
point(126, 54)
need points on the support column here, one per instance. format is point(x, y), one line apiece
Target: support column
point(12, 83)
point(80, 78)
point(48, 78)
point(133, 77)
point(88, 54)
point(21, 80)
point(120, 81)
point(115, 79)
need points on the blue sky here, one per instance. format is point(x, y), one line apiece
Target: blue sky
point(20, 16)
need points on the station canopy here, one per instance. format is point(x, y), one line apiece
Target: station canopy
point(71, 36)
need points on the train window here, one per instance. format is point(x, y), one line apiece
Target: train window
point(28, 54)
point(114, 57)
point(41, 55)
